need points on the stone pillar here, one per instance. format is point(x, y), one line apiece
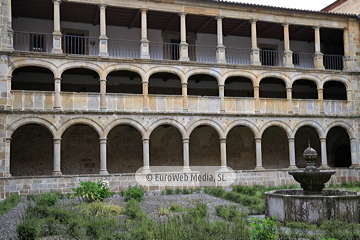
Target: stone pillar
point(103, 95)
point(324, 163)
point(222, 98)
point(220, 49)
point(223, 154)
point(184, 47)
point(57, 31)
point(57, 94)
point(103, 169)
point(9, 95)
point(146, 157)
point(186, 155)
point(6, 31)
point(292, 153)
point(57, 157)
point(353, 148)
point(103, 40)
point(287, 56)
point(257, 99)
point(255, 51)
point(289, 98)
point(145, 89)
point(259, 165)
point(144, 51)
point(318, 56)
point(185, 97)
point(7, 157)
point(348, 95)
point(321, 99)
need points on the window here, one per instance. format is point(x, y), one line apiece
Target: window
point(37, 42)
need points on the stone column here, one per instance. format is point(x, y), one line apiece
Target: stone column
point(287, 56)
point(354, 152)
point(223, 154)
point(57, 94)
point(103, 40)
point(103, 95)
point(7, 157)
point(146, 157)
point(144, 51)
point(145, 89)
point(185, 97)
point(184, 46)
point(222, 98)
point(257, 99)
point(103, 169)
point(292, 153)
point(57, 31)
point(289, 98)
point(186, 142)
point(259, 165)
point(7, 33)
point(255, 51)
point(324, 163)
point(9, 95)
point(348, 95)
point(57, 157)
point(220, 49)
point(318, 56)
point(321, 99)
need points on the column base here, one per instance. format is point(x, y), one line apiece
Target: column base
point(324, 166)
point(56, 173)
point(257, 112)
point(354, 166)
point(223, 169)
point(103, 54)
point(104, 172)
point(186, 169)
point(103, 109)
point(185, 110)
point(222, 111)
point(184, 59)
point(146, 171)
point(7, 175)
point(57, 108)
point(259, 168)
point(145, 109)
point(57, 51)
point(292, 167)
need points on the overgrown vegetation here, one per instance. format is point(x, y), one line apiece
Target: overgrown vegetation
point(10, 202)
point(134, 192)
point(92, 191)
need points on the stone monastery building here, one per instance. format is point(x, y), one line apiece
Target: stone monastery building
point(94, 89)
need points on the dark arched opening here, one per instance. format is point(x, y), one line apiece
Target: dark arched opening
point(80, 80)
point(334, 90)
point(302, 137)
point(275, 148)
point(31, 151)
point(124, 82)
point(272, 88)
point(338, 148)
point(240, 148)
point(166, 148)
point(33, 79)
point(165, 83)
point(239, 87)
point(80, 150)
point(203, 85)
point(304, 89)
point(124, 150)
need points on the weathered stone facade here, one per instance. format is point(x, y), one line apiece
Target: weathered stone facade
point(79, 116)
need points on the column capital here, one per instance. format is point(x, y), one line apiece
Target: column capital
point(182, 13)
point(186, 140)
point(57, 2)
point(57, 140)
point(288, 89)
point(219, 17)
point(184, 84)
point(102, 6)
point(258, 139)
point(256, 87)
point(322, 139)
point(320, 89)
point(9, 77)
point(352, 139)
point(7, 140)
point(57, 80)
point(222, 140)
point(316, 27)
point(286, 24)
point(221, 86)
point(102, 80)
point(103, 140)
point(291, 139)
point(146, 139)
point(144, 9)
point(253, 20)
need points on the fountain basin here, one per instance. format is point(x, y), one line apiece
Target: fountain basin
point(294, 206)
point(312, 182)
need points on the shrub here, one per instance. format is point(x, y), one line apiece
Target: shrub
point(9, 203)
point(178, 191)
point(50, 227)
point(229, 212)
point(199, 211)
point(135, 193)
point(47, 199)
point(244, 190)
point(102, 229)
point(186, 191)
point(263, 229)
point(175, 208)
point(216, 192)
point(102, 209)
point(76, 228)
point(91, 191)
point(29, 229)
point(163, 211)
point(132, 210)
point(169, 191)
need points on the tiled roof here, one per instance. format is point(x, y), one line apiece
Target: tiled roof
point(333, 5)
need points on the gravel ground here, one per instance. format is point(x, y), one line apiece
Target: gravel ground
point(150, 205)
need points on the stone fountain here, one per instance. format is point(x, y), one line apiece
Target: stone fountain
point(312, 204)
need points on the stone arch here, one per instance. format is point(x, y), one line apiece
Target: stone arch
point(245, 74)
point(117, 67)
point(348, 128)
point(342, 79)
point(164, 83)
point(30, 120)
point(245, 123)
point(206, 122)
point(173, 70)
point(338, 146)
point(210, 72)
point(84, 121)
point(281, 76)
point(124, 121)
point(334, 89)
point(309, 77)
point(305, 133)
point(319, 129)
point(167, 121)
point(32, 78)
point(276, 123)
point(34, 63)
point(86, 65)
